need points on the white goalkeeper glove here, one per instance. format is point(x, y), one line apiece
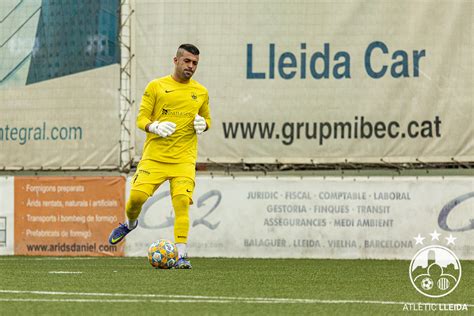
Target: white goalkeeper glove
point(163, 129)
point(199, 124)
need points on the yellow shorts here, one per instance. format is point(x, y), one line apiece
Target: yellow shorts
point(151, 174)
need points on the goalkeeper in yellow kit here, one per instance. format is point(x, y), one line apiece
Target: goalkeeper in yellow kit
point(173, 110)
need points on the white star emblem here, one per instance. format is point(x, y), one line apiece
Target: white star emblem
point(450, 239)
point(435, 235)
point(419, 239)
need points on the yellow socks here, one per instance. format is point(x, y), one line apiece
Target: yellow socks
point(181, 224)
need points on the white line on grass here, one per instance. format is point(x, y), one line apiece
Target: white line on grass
point(65, 272)
point(198, 298)
point(90, 300)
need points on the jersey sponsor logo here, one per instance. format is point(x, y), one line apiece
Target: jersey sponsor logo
point(177, 113)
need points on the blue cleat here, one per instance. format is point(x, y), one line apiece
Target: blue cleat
point(183, 263)
point(118, 234)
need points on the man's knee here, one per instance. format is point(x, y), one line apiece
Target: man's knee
point(181, 202)
point(137, 199)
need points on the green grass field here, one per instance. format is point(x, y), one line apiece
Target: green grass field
point(105, 286)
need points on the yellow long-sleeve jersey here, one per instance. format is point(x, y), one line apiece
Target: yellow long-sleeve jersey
point(165, 99)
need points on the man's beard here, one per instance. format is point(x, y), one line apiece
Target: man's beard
point(187, 74)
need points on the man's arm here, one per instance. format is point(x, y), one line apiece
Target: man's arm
point(144, 118)
point(205, 112)
point(146, 108)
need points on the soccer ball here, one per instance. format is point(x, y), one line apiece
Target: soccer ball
point(162, 254)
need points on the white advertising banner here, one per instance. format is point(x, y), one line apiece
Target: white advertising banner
point(6, 216)
point(59, 81)
point(381, 218)
point(319, 81)
point(62, 123)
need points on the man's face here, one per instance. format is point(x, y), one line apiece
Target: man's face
point(185, 64)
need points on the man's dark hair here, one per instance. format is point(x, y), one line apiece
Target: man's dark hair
point(189, 48)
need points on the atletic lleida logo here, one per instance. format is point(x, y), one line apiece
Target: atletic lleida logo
point(435, 271)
